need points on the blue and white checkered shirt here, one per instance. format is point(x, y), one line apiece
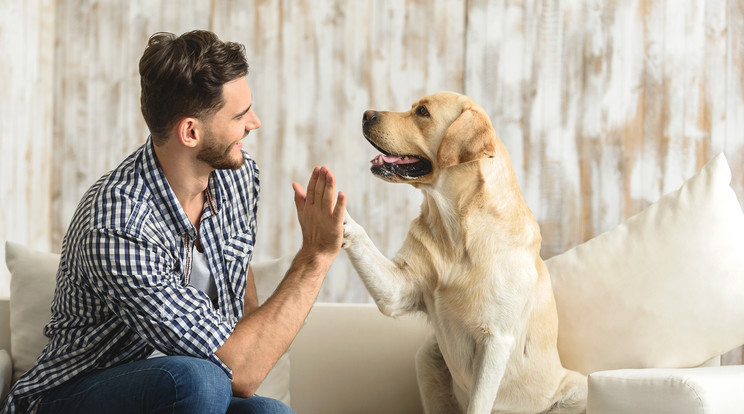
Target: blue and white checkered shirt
point(122, 285)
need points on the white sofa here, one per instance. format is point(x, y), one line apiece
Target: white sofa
point(349, 358)
point(637, 305)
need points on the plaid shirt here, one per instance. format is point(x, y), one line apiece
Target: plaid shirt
point(122, 285)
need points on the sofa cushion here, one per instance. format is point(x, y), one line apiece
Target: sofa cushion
point(32, 284)
point(663, 289)
point(715, 390)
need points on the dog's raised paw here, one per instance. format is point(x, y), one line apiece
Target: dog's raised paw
point(347, 242)
point(349, 230)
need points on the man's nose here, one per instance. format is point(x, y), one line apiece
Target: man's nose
point(254, 122)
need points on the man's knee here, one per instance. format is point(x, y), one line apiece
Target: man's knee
point(199, 385)
point(258, 405)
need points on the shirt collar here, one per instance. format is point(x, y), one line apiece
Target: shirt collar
point(158, 184)
point(213, 193)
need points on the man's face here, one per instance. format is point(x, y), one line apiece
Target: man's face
point(224, 132)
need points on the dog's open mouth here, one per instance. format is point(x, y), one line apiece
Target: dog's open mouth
point(404, 166)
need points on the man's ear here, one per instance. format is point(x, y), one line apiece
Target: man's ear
point(469, 138)
point(188, 131)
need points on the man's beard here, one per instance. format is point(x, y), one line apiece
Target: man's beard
point(217, 157)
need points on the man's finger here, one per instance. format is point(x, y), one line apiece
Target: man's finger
point(299, 197)
point(310, 195)
point(329, 192)
point(340, 210)
point(320, 185)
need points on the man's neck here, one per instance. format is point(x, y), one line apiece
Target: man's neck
point(187, 177)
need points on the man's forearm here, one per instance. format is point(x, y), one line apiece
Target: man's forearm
point(261, 337)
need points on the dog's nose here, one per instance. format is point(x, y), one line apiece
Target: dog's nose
point(369, 115)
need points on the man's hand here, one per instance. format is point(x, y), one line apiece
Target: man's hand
point(321, 215)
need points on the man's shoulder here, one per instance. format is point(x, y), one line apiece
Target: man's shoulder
point(112, 200)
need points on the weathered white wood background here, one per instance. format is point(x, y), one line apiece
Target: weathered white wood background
point(603, 105)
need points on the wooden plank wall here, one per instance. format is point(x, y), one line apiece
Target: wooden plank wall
point(26, 147)
point(603, 105)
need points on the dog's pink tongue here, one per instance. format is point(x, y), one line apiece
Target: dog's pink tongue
point(391, 159)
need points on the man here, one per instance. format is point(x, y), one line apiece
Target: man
point(155, 308)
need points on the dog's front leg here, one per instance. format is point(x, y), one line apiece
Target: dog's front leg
point(391, 290)
point(492, 353)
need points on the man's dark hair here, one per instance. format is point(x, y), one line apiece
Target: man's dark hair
point(183, 75)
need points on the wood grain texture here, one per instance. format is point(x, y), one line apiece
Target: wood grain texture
point(26, 145)
point(314, 71)
point(603, 105)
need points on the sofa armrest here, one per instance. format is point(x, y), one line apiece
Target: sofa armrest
point(714, 390)
point(6, 373)
point(5, 324)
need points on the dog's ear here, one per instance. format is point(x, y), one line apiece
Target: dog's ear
point(469, 138)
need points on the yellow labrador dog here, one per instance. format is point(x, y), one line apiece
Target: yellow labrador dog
point(470, 262)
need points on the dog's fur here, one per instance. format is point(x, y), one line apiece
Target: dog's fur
point(470, 261)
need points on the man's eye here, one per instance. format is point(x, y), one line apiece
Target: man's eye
point(422, 111)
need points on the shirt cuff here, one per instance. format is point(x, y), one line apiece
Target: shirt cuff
point(215, 359)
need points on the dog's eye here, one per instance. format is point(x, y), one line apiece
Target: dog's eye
point(422, 111)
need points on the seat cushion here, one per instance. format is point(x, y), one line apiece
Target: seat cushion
point(663, 289)
point(710, 390)
point(350, 358)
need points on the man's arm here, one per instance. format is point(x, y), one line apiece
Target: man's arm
point(262, 336)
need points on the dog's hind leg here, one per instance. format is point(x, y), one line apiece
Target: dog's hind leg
point(434, 380)
point(571, 395)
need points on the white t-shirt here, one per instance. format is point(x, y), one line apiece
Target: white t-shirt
point(199, 278)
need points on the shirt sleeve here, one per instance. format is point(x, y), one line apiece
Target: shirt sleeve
point(140, 281)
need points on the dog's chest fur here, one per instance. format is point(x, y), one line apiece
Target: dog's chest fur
point(473, 279)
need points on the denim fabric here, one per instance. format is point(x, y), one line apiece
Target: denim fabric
point(176, 384)
point(257, 405)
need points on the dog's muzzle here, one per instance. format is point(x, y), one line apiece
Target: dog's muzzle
point(387, 165)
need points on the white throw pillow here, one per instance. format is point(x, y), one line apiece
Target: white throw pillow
point(663, 289)
point(31, 290)
point(32, 282)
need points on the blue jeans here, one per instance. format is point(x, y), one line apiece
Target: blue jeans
point(175, 384)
